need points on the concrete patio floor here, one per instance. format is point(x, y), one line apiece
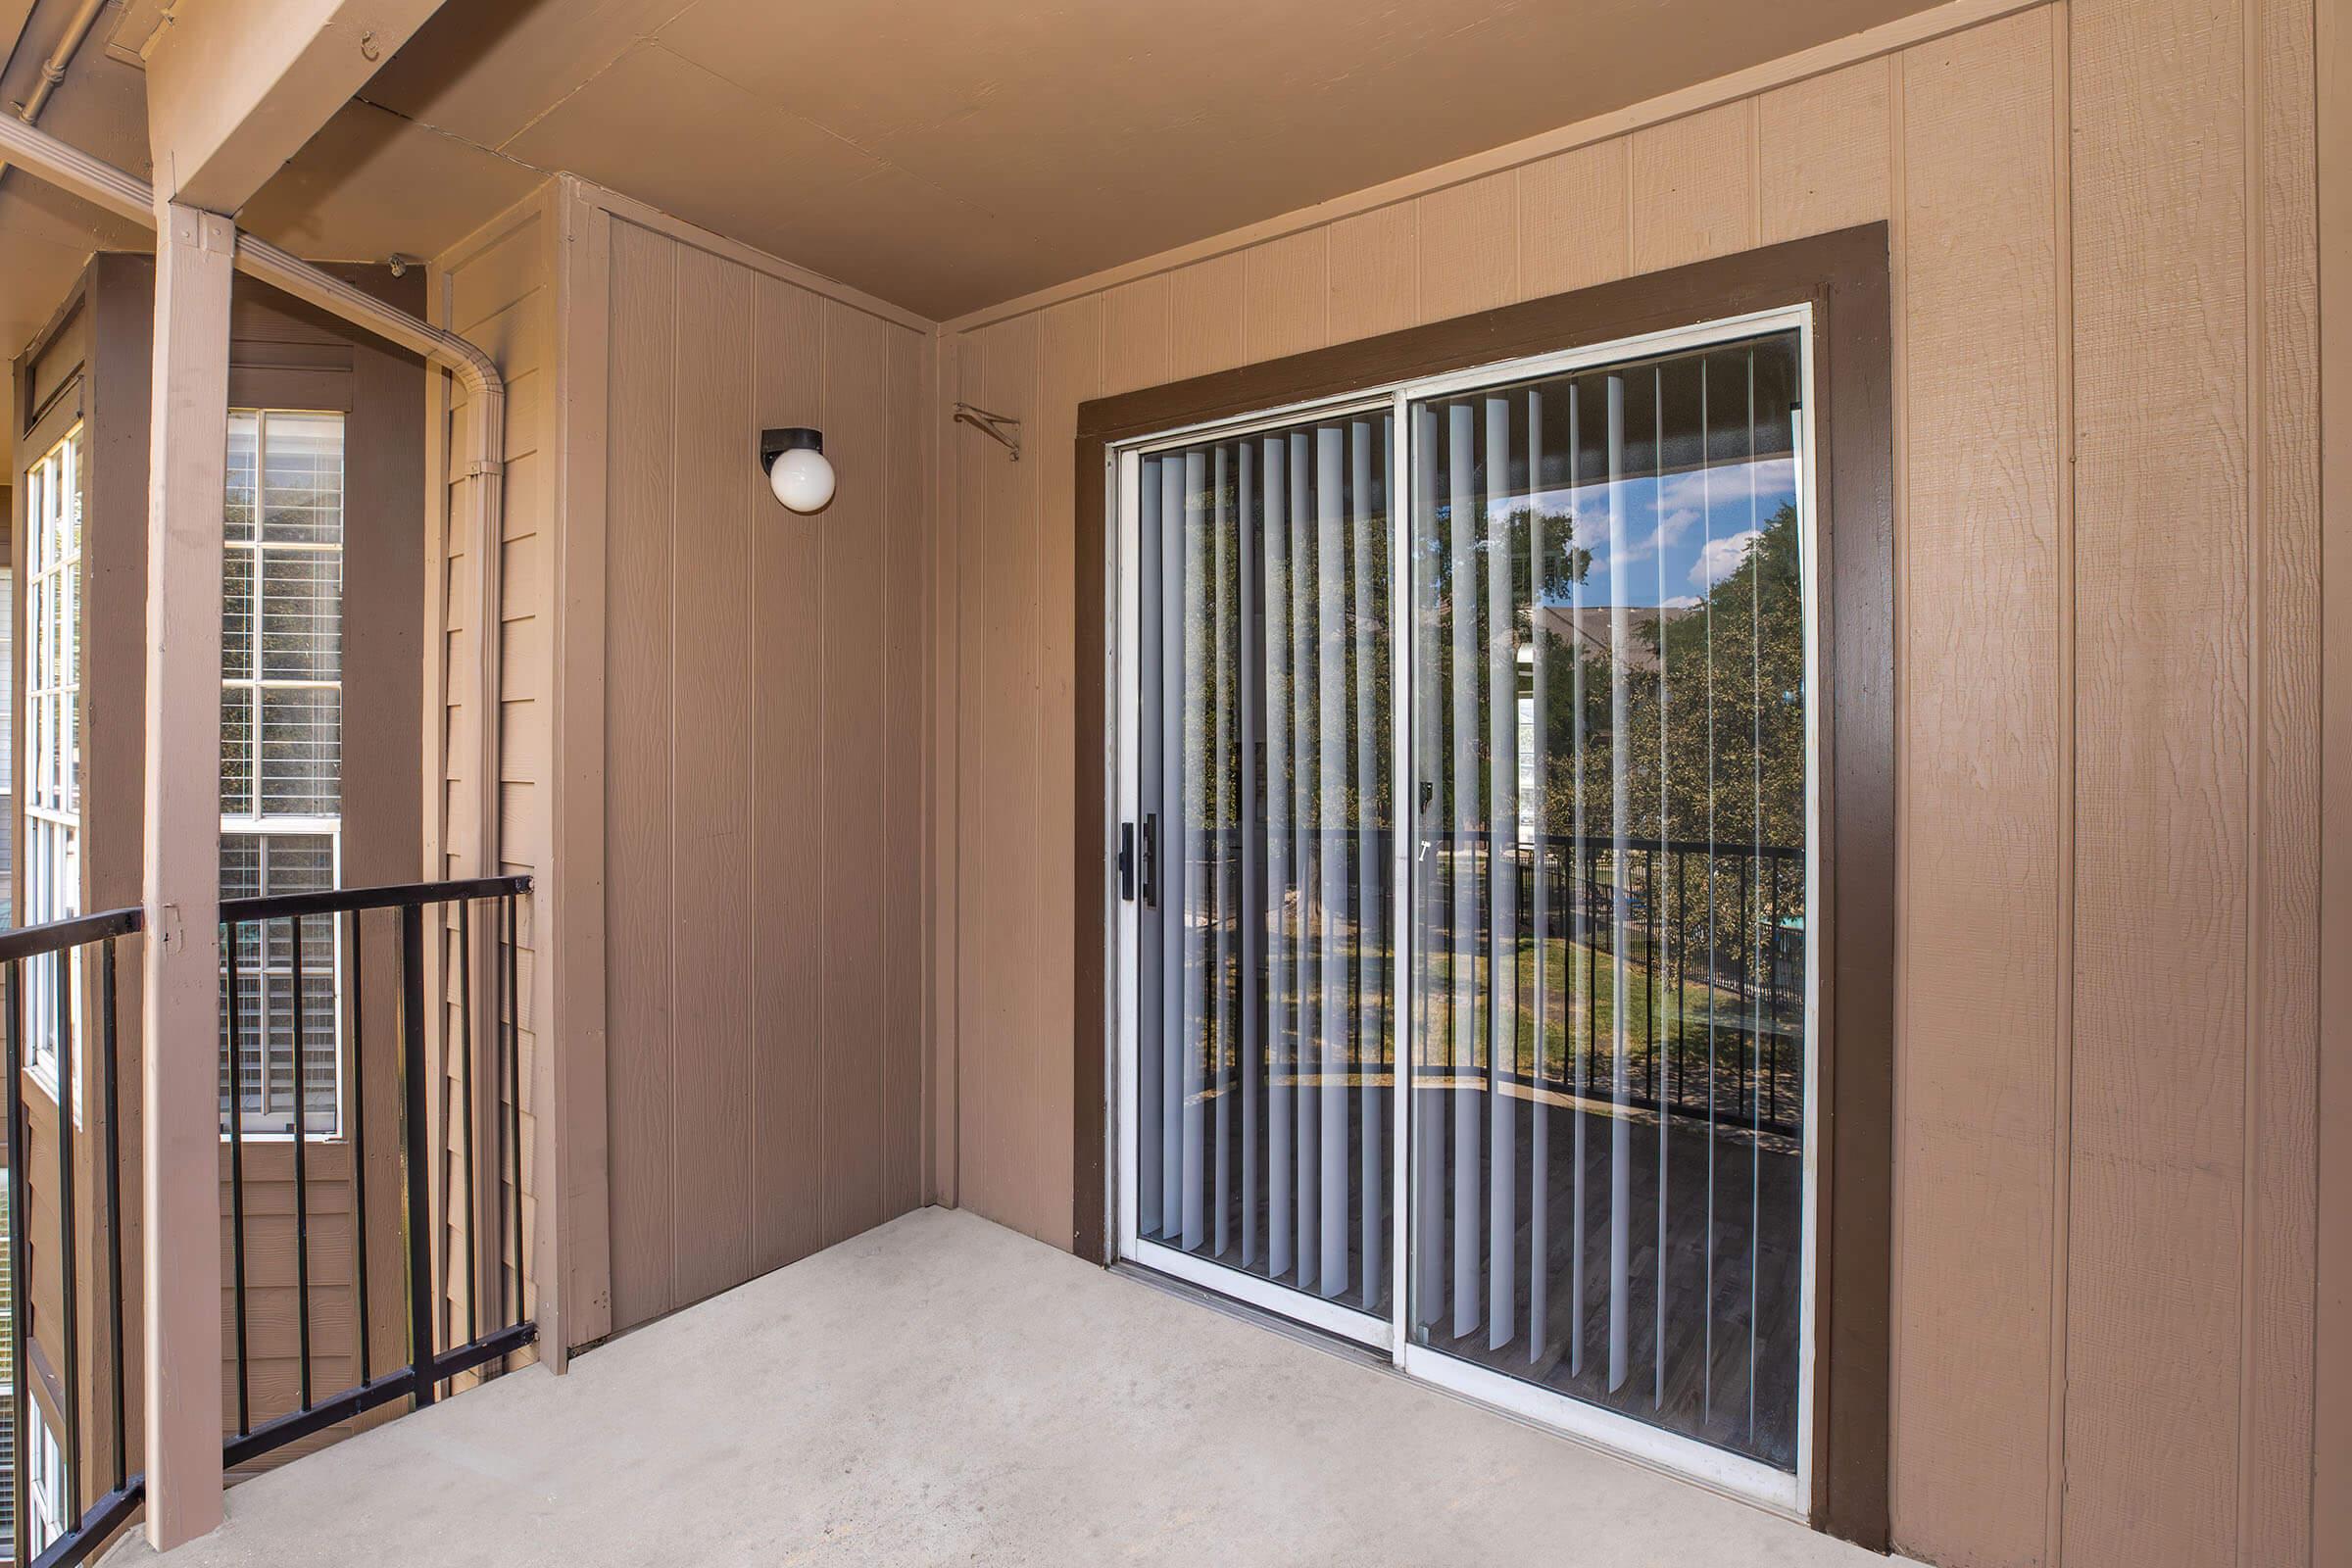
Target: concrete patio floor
point(943, 1390)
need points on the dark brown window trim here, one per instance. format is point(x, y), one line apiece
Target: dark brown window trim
point(1844, 277)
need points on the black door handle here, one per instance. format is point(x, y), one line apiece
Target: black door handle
point(1151, 861)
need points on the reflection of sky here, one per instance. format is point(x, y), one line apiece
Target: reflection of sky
point(1678, 535)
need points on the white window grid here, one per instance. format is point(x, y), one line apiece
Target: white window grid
point(44, 1520)
point(52, 740)
point(249, 808)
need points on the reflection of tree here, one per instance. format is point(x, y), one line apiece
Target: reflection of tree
point(1725, 680)
point(1316, 617)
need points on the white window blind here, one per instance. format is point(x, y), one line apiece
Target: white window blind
point(282, 755)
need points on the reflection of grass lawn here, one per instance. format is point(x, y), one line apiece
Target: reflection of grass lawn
point(1664, 1015)
point(1580, 1003)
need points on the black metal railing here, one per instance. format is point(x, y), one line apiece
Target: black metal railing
point(61, 957)
point(63, 984)
point(433, 1356)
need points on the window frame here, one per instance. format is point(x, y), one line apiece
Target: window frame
point(51, 732)
point(44, 1480)
point(1844, 277)
point(261, 1123)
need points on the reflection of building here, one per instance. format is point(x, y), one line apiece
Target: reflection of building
point(1587, 628)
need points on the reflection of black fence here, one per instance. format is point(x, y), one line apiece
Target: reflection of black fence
point(1682, 963)
point(1661, 975)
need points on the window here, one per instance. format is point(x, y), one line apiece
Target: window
point(8, 731)
point(282, 756)
point(51, 735)
point(44, 1482)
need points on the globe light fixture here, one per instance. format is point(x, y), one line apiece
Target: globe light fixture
point(793, 460)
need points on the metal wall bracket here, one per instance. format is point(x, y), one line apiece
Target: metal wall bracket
point(1002, 429)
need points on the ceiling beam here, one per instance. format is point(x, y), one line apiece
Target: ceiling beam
point(234, 87)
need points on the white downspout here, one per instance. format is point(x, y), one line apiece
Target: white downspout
point(53, 70)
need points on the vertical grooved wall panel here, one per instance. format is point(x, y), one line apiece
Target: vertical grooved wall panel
point(1069, 370)
point(1823, 150)
point(764, 694)
point(1693, 187)
point(638, 811)
point(1136, 338)
point(788, 818)
point(852, 663)
point(2162, 533)
point(1572, 220)
point(1287, 300)
point(710, 614)
point(1002, 1024)
point(2275, 1523)
point(1468, 247)
point(1204, 315)
point(1983, 793)
point(1374, 268)
point(905, 582)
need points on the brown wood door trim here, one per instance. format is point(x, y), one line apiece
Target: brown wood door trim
point(1844, 277)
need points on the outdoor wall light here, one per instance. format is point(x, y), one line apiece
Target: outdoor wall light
point(793, 460)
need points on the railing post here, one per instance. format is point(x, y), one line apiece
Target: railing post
point(413, 1141)
point(181, 885)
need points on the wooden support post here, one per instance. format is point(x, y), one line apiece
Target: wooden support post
point(181, 889)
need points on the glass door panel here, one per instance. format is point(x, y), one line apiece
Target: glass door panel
point(1609, 897)
point(1260, 1102)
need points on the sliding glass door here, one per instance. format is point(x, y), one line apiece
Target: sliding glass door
point(1609, 904)
point(1261, 1090)
point(1570, 603)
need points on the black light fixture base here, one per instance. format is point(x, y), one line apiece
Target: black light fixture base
point(774, 444)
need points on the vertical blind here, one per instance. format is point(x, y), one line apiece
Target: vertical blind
point(1267, 1049)
point(1610, 891)
point(1603, 599)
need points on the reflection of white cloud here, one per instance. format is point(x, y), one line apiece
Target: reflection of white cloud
point(1669, 532)
point(1769, 481)
point(1681, 602)
point(1718, 559)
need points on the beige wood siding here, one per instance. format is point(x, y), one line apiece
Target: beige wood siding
point(495, 289)
point(2103, 250)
